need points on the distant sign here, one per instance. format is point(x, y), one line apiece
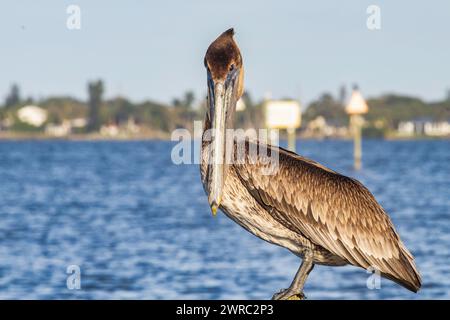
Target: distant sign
point(357, 104)
point(240, 105)
point(282, 114)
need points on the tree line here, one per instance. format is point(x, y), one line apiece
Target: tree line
point(385, 112)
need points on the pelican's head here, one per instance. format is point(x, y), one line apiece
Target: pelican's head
point(225, 74)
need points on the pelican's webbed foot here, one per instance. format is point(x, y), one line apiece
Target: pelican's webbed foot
point(288, 294)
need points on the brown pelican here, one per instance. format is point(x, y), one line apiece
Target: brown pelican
point(318, 214)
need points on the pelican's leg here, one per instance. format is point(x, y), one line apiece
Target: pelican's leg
point(295, 291)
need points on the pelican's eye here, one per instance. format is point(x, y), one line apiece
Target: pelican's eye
point(232, 67)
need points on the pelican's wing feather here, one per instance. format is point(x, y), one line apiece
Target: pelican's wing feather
point(333, 211)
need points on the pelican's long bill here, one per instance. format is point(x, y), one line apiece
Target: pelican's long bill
point(222, 103)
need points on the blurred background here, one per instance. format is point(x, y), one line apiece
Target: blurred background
point(90, 94)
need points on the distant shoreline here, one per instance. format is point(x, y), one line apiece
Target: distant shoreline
point(166, 137)
point(78, 137)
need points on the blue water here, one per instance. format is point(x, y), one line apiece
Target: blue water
point(140, 227)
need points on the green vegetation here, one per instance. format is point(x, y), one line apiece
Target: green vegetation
point(327, 107)
point(13, 98)
point(156, 119)
point(95, 90)
point(385, 112)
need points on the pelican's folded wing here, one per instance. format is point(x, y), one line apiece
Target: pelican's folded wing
point(331, 210)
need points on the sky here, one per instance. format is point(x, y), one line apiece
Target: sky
point(155, 49)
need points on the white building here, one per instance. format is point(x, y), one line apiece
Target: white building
point(110, 130)
point(66, 127)
point(406, 128)
point(319, 127)
point(78, 123)
point(58, 130)
point(437, 128)
point(32, 115)
point(426, 127)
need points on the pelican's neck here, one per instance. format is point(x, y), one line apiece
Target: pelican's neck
point(206, 126)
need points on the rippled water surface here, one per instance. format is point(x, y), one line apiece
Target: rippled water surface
point(140, 227)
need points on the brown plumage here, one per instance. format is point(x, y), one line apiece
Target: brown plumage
point(333, 211)
point(222, 55)
point(318, 214)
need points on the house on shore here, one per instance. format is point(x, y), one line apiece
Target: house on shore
point(424, 127)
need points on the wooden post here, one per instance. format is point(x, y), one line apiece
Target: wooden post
point(291, 139)
point(356, 122)
point(273, 137)
point(356, 108)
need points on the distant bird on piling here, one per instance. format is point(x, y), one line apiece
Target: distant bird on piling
point(318, 214)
